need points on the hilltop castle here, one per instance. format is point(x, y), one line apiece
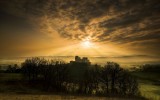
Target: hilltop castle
point(81, 60)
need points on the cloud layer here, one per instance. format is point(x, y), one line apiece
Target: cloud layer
point(133, 24)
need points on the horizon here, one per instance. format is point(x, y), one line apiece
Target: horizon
point(125, 62)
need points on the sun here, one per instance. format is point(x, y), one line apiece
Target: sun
point(87, 44)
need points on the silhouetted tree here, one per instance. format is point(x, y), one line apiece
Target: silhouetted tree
point(150, 68)
point(13, 69)
point(30, 68)
point(118, 80)
point(91, 79)
point(110, 74)
point(80, 77)
point(127, 84)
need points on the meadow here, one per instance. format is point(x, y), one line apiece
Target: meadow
point(11, 86)
point(15, 90)
point(54, 97)
point(149, 84)
point(16, 86)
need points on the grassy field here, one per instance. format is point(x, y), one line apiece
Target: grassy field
point(149, 84)
point(54, 97)
point(14, 83)
point(11, 88)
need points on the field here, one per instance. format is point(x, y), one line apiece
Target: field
point(53, 97)
point(149, 84)
point(12, 87)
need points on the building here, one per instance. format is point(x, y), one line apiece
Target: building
point(81, 60)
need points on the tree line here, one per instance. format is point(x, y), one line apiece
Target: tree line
point(79, 77)
point(150, 68)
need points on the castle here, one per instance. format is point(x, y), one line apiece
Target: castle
point(81, 60)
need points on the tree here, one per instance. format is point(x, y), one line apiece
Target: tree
point(91, 79)
point(80, 77)
point(128, 84)
point(110, 75)
point(118, 80)
point(30, 68)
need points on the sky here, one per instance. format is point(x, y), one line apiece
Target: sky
point(105, 28)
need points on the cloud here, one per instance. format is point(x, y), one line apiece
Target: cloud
point(123, 22)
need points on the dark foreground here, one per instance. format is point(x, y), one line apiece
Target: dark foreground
point(56, 97)
point(12, 87)
point(46, 80)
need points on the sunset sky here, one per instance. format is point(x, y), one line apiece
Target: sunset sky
point(111, 28)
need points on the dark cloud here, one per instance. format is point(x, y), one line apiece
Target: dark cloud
point(14, 23)
point(118, 21)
